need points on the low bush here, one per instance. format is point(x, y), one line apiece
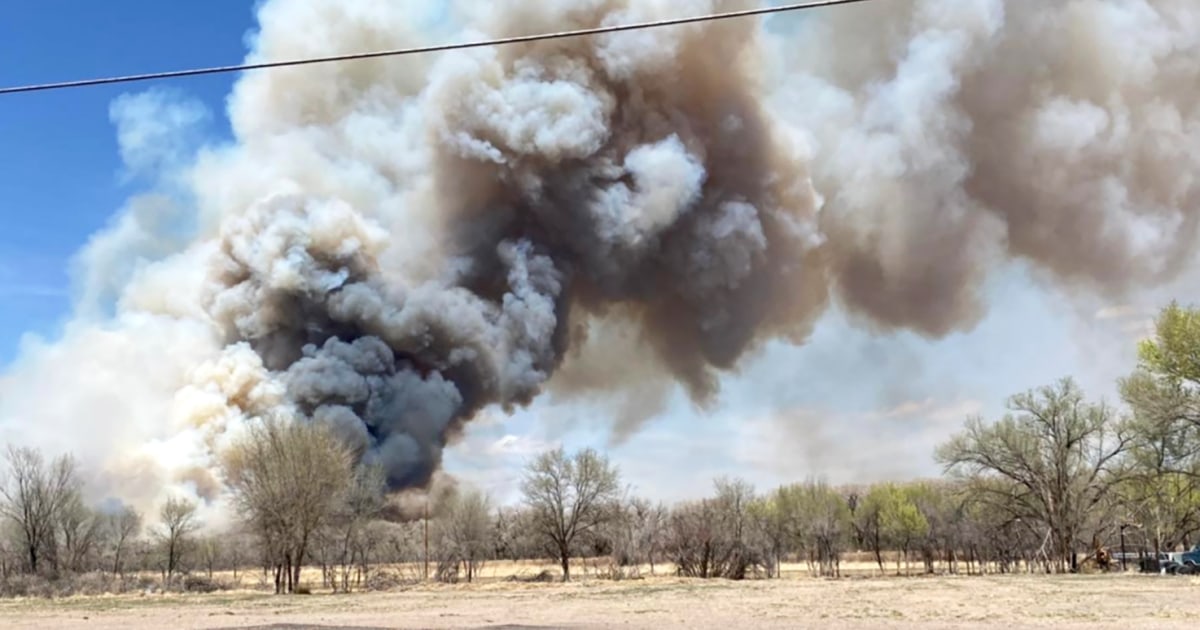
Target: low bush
point(544, 575)
point(99, 583)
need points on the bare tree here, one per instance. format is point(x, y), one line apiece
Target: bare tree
point(722, 536)
point(178, 522)
point(121, 528)
point(695, 543)
point(344, 539)
point(650, 522)
point(635, 535)
point(239, 548)
point(822, 519)
point(464, 534)
point(33, 496)
point(569, 497)
point(210, 553)
point(80, 531)
point(514, 535)
point(287, 478)
point(776, 518)
point(11, 555)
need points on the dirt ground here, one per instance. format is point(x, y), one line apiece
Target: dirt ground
point(1009, 602)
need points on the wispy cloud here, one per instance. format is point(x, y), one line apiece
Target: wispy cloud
point(1130, 321)
point(20, 290)
point(15, 284)
point(518, 446)
point(492, 453)
point(928, 408)
point(1117, 311)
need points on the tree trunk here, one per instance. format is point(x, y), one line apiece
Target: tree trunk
point(170, 558)
point(299, 560)
point(1066, 561)
point(564, 555)
point(291, 584)
point(296, 572)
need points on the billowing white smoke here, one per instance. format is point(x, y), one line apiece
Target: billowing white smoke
point(392, 245)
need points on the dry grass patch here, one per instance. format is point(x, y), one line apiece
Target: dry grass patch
point(997, 602)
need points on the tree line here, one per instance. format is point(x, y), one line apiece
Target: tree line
point(1042, 488)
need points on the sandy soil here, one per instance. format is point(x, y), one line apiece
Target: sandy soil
point(1009, 602)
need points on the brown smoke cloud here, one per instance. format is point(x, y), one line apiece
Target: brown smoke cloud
point(1059, 133)
point(392, 245)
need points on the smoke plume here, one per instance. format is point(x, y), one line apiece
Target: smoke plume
point(391, 245)
point(1059, 133)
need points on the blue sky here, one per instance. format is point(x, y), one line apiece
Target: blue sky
point(844, 405)
point(60, 178)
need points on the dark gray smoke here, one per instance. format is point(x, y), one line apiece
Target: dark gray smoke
point(570, 178)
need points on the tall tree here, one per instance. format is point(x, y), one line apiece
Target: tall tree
point(900, 520)
point(121, 528)
point(177, 523)
point(940, 503)
point(79, 529)
point(1163, 484)
point(777, 517)
point(735, 523)
point(287, 479)
point(868, 520)
point(645, 522)
point(33, 496)
point(821, 523)
point(464, 533)
point(569, 497)
point(1057, 453)
point(721, 536)
point(346, 534)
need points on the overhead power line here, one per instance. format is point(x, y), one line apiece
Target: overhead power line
point(428, 49)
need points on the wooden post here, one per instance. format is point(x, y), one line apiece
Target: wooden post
point(426, 537)
point(1123, 556)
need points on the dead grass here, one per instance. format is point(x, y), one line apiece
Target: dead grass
point(1008, 602)
point(508, 572)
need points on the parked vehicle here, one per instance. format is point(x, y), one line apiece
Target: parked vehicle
point(1170, 563)
point(1190, 558)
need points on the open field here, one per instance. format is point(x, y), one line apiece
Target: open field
point(1009, 602)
